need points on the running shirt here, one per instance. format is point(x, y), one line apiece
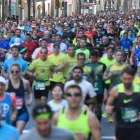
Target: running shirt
point(57, 61)
point(30, 48)
point(8, 102)
point(8, 132)
point(43, 69)
point(72, 61)
point(9, 62)
point(86, 87)
point(86, 52)
point(57, 134)
point(107, 62)
point(116, 70)
point(73, 125)
point(126, 44)
point(20, 99)
point(127, 107)
point(97, 40)
point(56, 107)
point(98, 84)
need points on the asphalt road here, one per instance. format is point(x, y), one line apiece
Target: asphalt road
point(107, 129)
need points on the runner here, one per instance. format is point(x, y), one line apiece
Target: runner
point(15, 59)
point(8, 103)
point(98, 69)
point(4, 128)
point(57, 103)
point(71, 58)
point(83, 49)
point(86, 87)
point(113, 72)
point(40, 70)
point(74, 115)
point(124, 101)
point(30, 45)
point(42, 115)
point(19, 86)
point(88, 74)
point(58, 60)
point(107, 61)
point(36, 54)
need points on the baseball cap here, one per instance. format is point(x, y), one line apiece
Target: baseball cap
point(2, 80)
point(56, 44)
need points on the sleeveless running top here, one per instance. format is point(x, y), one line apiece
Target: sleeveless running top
point(79, 125)
point(7, 107)
point(20, 102)
point(127, 107)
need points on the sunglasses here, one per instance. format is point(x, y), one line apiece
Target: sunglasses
point(43, 52)
point(57, 47)
point(14, 71)
point(73, 94)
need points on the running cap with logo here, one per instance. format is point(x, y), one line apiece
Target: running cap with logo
point(2, 80)
point(42, 111)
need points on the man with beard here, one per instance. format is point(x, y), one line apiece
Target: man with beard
point(124, 102)
point(86, 87)
point(17, 34)
point(42, 115)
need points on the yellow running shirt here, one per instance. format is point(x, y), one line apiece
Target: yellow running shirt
point(43, 69)
point(57, 61)
point(72, 62)
point(107, 62)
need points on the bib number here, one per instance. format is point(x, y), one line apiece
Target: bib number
point(126, 50)
point(40, 85)
point(129, 114)
point(96, 86)
point(19, 103)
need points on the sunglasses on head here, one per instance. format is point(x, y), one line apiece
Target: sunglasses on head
point(14, 71)
point(43, 52)
point(56, 47)
point(73, 94)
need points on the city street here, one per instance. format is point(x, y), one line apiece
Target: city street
point(106, 127)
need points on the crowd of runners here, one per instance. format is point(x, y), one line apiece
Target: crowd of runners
point(90, 65)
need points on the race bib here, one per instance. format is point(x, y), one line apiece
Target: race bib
point(129, 114)
point(19, 103)
point(126, 50)
point(96, 86)
point(40, 85)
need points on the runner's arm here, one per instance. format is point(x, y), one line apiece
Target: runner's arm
point(110, 102)
point(55, 118)
point(14, 110)
point(29, 91)
point(94, 126)
point(132, 55)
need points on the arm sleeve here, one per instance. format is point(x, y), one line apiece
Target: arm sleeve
point(13, 99)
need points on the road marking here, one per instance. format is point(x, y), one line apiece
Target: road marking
point(104, 137)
